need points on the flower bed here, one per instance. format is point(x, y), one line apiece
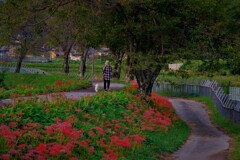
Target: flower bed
point(108, 126)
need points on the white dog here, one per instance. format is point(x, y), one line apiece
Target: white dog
point(96, 88)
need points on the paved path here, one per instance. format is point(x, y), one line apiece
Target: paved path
point(206, 142)
point(73, 94)
point(91, 90)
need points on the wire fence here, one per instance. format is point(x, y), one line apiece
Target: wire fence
point(227, 104)
point(27, 70)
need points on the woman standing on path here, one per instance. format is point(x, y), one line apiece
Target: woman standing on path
point(107, 71)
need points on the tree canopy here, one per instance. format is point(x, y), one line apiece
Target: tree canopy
point(150, 32)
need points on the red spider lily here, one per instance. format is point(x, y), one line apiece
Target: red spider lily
point(14, 95)
point(115, 121)
point(76, 134)
point(59, 83)
point(42, 148)
point(117, 126)
point(34, 125)
point(115, 140)
point(137, 111)
point(175, 118)
point(14, 152)
point(100, 131)
point(110, 155)
point(20, 114)
point(77, 110)
point(47, 111)
point(91, 133)
point(147, 126)
point(83, 143)
point(101, 143)
point(91, 150)
point(134, 85)
point(126, 142)
point(57, 119)
point(11, 136)
point(23, 145)
point(138, 138)
point(5, 156)
point(56, 149)
point(2, 115)
point(68, 82)
point(13, 124)
point(160, 101)
point(73, 158)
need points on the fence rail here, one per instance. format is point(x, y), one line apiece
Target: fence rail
point(24, 69)
point(228, 105)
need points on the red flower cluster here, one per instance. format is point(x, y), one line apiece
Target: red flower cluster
point(60, 82)
point(86, 134)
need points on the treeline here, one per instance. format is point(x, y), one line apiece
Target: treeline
point(148, 33)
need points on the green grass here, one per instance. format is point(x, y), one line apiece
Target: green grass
point(232, 129)
point(32, 84)
point(190, 71)
point(55, 67)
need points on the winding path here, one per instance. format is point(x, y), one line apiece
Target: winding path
point(206, 142)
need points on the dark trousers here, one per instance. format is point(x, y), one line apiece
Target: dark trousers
point(106, 84)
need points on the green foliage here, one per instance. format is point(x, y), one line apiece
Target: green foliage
point(234, 64)
point(3, 145)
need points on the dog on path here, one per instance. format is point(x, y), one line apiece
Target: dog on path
point(96, 88)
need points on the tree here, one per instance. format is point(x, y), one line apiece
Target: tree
point(17, 27)
point(146, 29)
point(69, 27)
point(205, 27)
point(111, 30)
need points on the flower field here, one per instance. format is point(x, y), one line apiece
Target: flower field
point(107, 126)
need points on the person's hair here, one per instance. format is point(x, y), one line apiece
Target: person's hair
point(107, 62)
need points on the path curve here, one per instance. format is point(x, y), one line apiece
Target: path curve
point(91, 90)
point(206, 142)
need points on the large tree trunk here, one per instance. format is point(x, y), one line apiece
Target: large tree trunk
point(66, 50)
point(20, 59)
point(66, 63)
point(117, 66)
point(19, 64)
point(82, 67)
point(129, 70)
point(145, 79)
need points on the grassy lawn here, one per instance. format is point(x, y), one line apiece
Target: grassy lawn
point(31, 84)
point(109, 125)
point(229, 127)
point(190, 72)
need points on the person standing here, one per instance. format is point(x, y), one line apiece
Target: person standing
point(107, 71)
